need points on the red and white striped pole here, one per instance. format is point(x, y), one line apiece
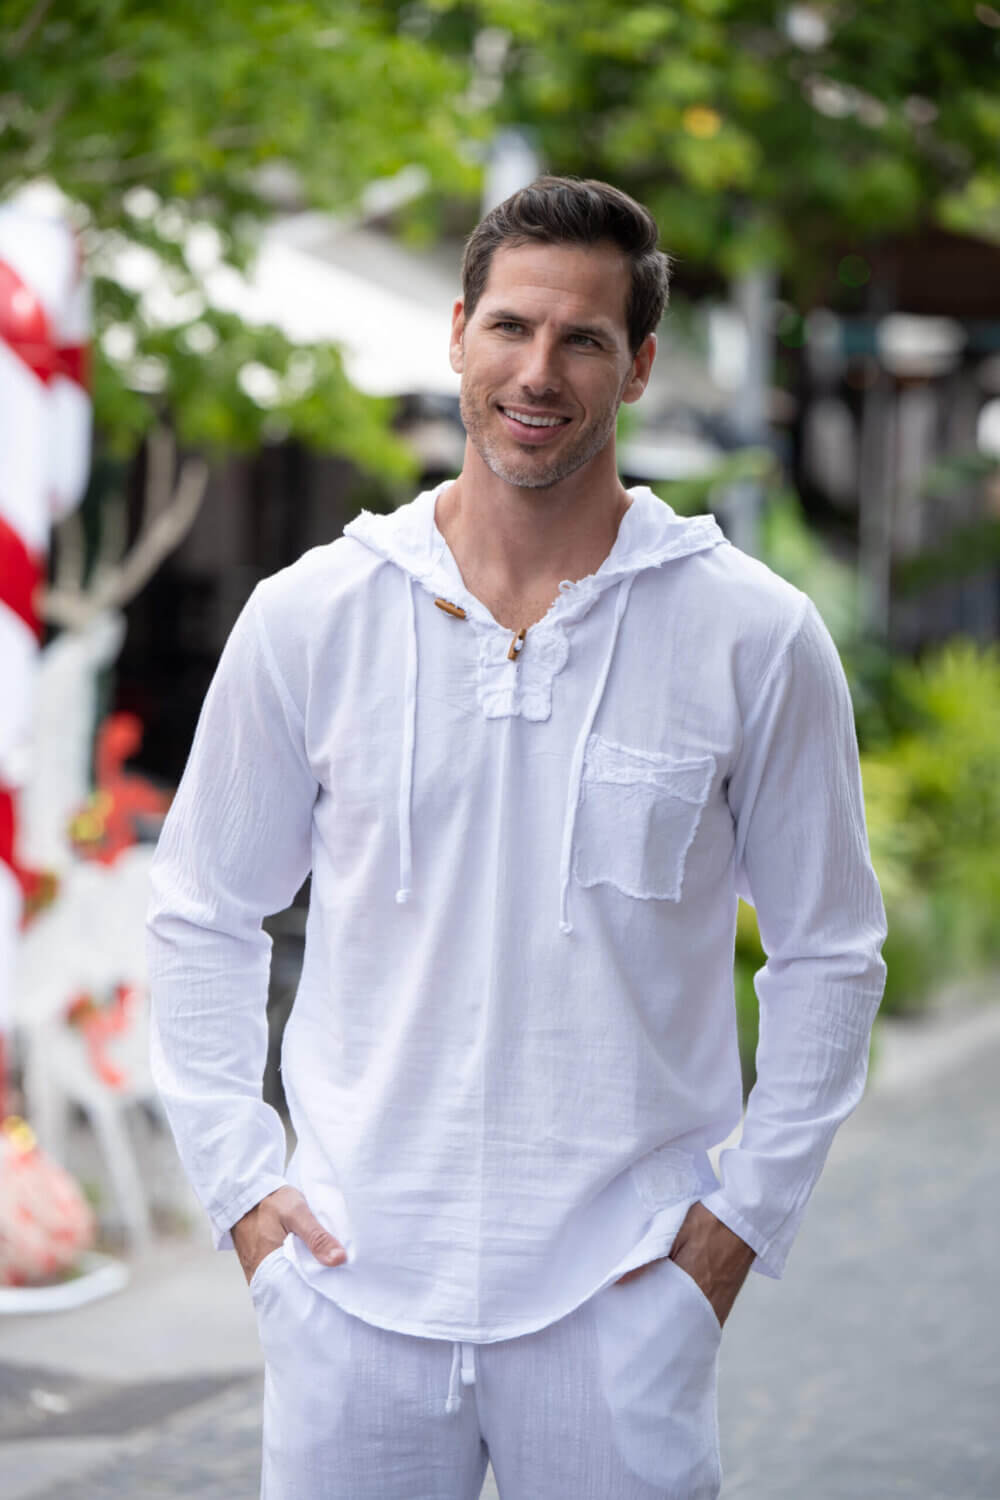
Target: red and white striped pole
point(45, 420)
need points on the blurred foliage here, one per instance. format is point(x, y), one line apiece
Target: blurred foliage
point(755, 132)
point(698, 493)
point(750, 958)
point(784, 539)
point(932, 803)
point(753, 137)
point(965, 551)
point(961, 548)
point(933, 799)
point(161, 125)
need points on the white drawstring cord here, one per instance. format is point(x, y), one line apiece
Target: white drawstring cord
point(463, 1364)
point(576, 768)
point(454, 1401)
point(406, 769)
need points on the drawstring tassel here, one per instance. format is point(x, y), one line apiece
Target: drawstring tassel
point(454, 1401)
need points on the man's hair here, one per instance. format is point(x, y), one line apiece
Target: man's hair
point(574, 211)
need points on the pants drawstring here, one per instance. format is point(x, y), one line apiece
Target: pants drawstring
point(463, 1372)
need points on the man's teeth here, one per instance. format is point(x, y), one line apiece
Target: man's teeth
point(520, 416)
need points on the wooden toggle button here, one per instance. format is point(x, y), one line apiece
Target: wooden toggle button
point(451, 609)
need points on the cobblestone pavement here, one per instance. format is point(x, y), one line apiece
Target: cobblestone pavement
point(870, 1371)
point(209, 1453)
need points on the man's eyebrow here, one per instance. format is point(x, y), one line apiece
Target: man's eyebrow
point(592, 330)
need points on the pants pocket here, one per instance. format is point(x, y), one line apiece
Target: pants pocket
point(284, 1304)
point(263, 1270)
point(658, 1340)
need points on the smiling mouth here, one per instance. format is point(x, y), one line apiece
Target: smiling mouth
point(527, 419)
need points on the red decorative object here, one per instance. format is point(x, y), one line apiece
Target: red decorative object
point(24, 326)
point(44, 327)
point(27, 332)
point(106, 824)
point(99, 1023)
point(45, 1221)
point(38, 887)
point(21, 574)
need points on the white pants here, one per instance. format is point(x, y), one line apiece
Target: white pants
point(616, 1401)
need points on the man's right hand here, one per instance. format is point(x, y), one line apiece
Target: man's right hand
point(263, 1229)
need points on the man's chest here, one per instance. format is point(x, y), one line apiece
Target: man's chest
point(639, 740)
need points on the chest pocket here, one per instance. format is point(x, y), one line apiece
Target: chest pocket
point(638, 815)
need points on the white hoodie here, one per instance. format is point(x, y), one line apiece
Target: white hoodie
point(514, 1038)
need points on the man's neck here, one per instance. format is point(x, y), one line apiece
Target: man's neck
point(514, 546)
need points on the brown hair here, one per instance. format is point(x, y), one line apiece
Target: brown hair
point(574, 211)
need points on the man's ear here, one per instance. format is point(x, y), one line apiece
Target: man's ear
point(642, 364)
point(456, 351)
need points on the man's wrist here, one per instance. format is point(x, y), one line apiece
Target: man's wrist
point(714, 1255)
point(245, 1235)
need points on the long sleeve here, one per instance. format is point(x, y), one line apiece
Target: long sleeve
point(236, 847)
point(803, 860)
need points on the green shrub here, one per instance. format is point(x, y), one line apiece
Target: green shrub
point(749, 958)
point(932, 802)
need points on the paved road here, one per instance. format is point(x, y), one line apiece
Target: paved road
point(871, 1371)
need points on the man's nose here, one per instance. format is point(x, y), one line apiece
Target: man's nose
point(539, 372)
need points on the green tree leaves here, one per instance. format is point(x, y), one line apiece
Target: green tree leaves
point(154, 120)
point(833, 122)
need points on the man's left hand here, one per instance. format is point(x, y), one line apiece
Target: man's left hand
point(712, 1255)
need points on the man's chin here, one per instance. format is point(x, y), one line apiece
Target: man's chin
point(529, 476)
point(524, 481)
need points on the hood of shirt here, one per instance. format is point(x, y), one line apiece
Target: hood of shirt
point(516, 675)
point(650, 534)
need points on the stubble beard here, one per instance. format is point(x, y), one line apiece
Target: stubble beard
point(532, 472)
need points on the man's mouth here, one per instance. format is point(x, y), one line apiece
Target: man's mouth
point(532, 419)
point(532, 429)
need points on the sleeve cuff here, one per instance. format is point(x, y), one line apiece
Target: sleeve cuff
point(223, 1221)
point(770, 1260)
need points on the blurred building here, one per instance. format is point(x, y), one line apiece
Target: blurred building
point(897, 435)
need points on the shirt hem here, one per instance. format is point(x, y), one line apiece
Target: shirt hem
point(655, 1241)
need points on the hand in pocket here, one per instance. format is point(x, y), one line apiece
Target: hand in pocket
point(264, 1228)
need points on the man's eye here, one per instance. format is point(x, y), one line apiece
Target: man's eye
point(509, 325)
point(584, 338)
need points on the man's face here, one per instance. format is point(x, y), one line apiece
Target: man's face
point(545, 360)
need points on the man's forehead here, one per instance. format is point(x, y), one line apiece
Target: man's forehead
point(589, 282)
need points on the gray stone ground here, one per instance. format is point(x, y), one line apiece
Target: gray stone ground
point(872, 1370)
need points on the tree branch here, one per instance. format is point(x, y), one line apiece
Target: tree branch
point(161, 454)
point(161, 532)
point(70, 554)
point(17, 43)
point(111, 549)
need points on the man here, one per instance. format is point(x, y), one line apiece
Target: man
point(531, 734)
